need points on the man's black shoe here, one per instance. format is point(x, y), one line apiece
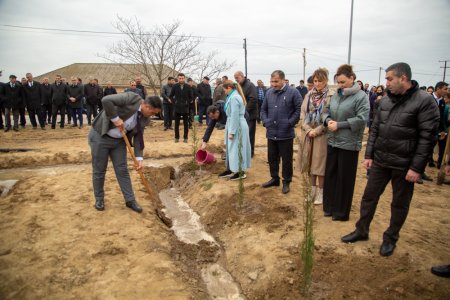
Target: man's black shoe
point(7, 129)
point(99, 205)
point(442, 271)
point(426, 177)
point(354, 237)
point(431, 164)
point(339, 219)
point(271, 182)
point(134, 206)
point(285, 189)
point(327, 214)
point(387, 248)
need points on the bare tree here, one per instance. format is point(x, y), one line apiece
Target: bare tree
point(210, 67)
point(160, 53)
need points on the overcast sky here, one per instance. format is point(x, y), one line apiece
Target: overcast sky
point(384, 32)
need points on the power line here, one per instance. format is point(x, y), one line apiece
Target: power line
point(299, 50)
point(108, 32)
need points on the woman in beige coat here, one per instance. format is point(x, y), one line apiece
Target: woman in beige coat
point(312, 154)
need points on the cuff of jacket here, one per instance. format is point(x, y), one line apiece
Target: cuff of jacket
point(139, 158)
point(343, 124)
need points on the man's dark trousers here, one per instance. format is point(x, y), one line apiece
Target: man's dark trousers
point(32, 114)
point(402, 192)
point(283, 149)
point(252, 133)
point(185, 124)
point(62, 111)
point(168, 114)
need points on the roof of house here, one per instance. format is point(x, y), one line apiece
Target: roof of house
point(118, 74)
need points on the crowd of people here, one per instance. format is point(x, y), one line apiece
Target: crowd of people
point(44, 100)
point(405, 124)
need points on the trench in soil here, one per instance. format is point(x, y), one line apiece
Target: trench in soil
point(205, 252)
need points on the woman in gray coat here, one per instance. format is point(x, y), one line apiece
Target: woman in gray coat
point(348, 113)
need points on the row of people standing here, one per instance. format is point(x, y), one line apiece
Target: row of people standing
point(44, 100)
point(401, 138)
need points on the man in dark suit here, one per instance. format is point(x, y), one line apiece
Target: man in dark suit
point(59, 92)
point(12, 101)
point(128, 111)
point(181, 95)
point(302, 89)
point(46, 100)
point(249, 90)
point(2, 108)
point(93, 94)
point(204, 99)
point(439, 93)
point(261, 94)
point(32, 99)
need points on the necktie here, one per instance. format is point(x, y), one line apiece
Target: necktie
point(140, 133)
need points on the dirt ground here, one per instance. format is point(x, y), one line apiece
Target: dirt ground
point(55, 245)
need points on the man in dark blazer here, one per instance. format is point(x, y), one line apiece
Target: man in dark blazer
point(32, 99)
point(46, 100)
point(261, 94)
point(12, 101)
point(204, 99)
point(128, 111)
point(181, 95)
point(2, 108)
point(93, 94)
point(59, 93)
point(249, 90)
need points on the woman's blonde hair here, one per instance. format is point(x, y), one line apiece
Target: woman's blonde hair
point(321, 74)
point(235, 86)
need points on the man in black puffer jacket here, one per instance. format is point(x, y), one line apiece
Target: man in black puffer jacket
point(400, 143)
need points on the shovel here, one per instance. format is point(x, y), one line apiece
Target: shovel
point(196, 117)
point(441, 175)
point(152, 191)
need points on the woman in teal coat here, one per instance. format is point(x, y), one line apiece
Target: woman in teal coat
point(348, 113)
point(237, 138)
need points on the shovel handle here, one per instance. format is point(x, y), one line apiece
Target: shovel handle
point(150, 191)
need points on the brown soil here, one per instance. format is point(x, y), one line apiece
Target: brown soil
point(55, 245)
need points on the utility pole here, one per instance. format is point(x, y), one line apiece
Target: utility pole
point(350, 39)
point(304, 64)
point(245, 51)
point(379, 75)
point(444, 67)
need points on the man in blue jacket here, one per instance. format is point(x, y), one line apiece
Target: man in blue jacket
point(280, 112)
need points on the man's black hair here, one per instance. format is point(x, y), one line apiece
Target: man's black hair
point(400, 69)
point(211, 109)
point(440, 85)
point(153, 101)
